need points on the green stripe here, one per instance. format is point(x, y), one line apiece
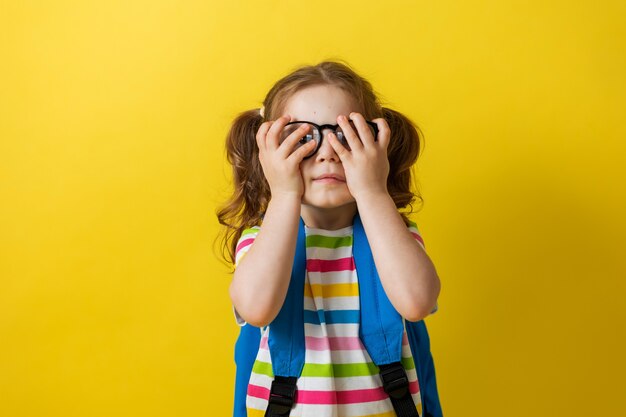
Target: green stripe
point(407, 363)
point(263, 368)
point(338, 370)
point(328, 241)
point(250, 231)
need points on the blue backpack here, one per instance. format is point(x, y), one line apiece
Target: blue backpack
point(381, 330)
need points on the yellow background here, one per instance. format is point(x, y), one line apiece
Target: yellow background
point(112, 122)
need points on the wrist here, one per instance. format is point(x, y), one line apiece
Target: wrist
point(286, 196)
point(371, 194)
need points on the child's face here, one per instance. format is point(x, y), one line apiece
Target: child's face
point(322, 104)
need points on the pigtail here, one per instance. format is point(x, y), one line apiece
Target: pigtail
point(251, 192)
point(404, 148)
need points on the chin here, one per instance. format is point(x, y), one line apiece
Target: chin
point(328, 202)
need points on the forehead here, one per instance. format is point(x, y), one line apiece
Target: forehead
point(320, 104)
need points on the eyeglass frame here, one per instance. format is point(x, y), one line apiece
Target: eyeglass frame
point(321, 128)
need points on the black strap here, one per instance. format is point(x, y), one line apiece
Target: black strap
point(282, 396)
point(396, 385)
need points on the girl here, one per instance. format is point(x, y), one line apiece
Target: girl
point(322, 149)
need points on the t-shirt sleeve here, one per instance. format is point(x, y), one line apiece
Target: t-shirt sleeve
point(243, 246)
point(418, 236)
point(244, 243)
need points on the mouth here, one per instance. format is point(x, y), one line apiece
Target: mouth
point(329, 178)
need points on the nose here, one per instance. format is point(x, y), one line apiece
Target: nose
point(326, 152)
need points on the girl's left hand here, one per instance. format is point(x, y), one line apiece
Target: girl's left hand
point(366, 164)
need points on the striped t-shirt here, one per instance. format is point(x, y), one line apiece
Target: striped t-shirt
point(339, 378)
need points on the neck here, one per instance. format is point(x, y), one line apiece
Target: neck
point(328, 218)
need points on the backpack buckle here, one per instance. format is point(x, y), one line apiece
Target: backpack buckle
point(395, 381)
point(282, 396)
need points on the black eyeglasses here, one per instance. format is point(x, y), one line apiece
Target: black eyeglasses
point(315, 133)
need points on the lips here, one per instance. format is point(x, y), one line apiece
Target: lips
point(331, 176)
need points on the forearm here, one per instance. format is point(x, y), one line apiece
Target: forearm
point(261, 279)
point(407, 274)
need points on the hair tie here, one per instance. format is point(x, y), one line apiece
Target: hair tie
point(262, 111)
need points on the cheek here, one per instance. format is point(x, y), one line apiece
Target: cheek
point(306, 169)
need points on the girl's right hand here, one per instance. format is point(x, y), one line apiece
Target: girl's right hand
point(280, 165)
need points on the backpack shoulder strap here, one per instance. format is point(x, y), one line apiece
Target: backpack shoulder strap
point(425, 367)
point(246, 349)
point(286, 336)
point(381, 326)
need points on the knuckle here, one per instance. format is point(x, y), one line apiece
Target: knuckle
point(381, 123)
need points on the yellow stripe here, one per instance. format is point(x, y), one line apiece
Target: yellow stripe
point(241, 256)
point(255, 413)
point(331, 290)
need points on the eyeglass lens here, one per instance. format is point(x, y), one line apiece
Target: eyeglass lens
point(314, 134)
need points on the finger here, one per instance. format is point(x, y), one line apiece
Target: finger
point(338, 147)
point(364, 130)
point(299, 154)
point(260, 134)
point(353, 140)
point(384, 132)
point(273, 135)
point(286, 147)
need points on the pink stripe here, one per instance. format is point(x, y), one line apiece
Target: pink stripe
point(244, 243)
point(323, 265)
point(333, 343)
point(346, 397)
point(325, 397)
point(418, 237)
point(332, 397)
point(258, 392)
point(341, 397)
